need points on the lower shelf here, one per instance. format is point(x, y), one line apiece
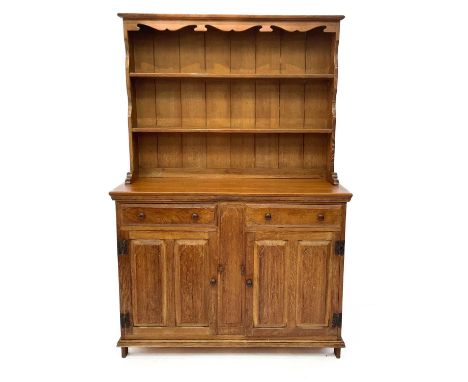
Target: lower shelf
point(237, 343)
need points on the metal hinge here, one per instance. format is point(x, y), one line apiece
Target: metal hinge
point(125, 320)
point(122, 247)
point(336, 320)
point(339, 247)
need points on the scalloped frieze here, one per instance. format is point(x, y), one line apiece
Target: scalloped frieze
point(230, 26)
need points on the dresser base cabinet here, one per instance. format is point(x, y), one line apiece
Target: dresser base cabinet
point(230, 274)
point(231, 220)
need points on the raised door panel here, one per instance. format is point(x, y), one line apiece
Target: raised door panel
point(191, 267)
point(269, 284)
point(149, 282)
point(313, 274)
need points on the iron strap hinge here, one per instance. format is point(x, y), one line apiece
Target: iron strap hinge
point(122, 247)
point(336, 320)
point(125, 321)
point(339, 247)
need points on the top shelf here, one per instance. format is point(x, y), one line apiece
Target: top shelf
point(232, 76)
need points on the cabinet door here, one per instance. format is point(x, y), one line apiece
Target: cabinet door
point(171, 290)
point(292, 283)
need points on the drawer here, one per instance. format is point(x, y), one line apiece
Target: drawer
point(299, 215)
point(164, 214)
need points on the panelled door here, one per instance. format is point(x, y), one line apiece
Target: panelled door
point(292, 281)
point(173, 283)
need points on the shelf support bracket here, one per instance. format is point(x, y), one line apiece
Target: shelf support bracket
point(129, 178)
point(334, 178)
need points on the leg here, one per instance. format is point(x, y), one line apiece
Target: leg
point(124, 351)
point(337, 352)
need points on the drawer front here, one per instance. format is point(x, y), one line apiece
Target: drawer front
point(303, 215)
point(152, 215)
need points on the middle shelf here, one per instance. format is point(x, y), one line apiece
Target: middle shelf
point(187, 129)
point(303, 76)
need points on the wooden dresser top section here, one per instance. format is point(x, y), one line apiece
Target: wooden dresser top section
point(189, 124)
point(228, 23)
point(232, 188)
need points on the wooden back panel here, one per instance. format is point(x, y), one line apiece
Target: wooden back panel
point(255, 154)
point(214, 51)
point(230, 98)
point(233, 103)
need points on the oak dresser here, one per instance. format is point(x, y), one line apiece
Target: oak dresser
point(231, 221)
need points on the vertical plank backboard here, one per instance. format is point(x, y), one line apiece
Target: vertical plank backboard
point(291, 151)
point(267, 104)
point(218, 52)
point(148, 153)
point(319, 52)
point(218, 102)
point(168, 103)
point(166, 52)
point(242, 151)
point(145, 102)
point(291, 104)
point(292, 93)
point(218, 149)
point(194, 150)
point(193, 103)
point(292, 53)
point(266, 151)
point(170, 150)
point(267, 53)
point(243, 52)
point(143, 59)
point(315, 151)
point(242, 104)
point(317, 104)
point(192, 52)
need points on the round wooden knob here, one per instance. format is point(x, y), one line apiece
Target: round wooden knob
point(213, 281)
point(320, 217)
point(249, 283)
point(141, 215)
point(195, 216)
point(267, 216)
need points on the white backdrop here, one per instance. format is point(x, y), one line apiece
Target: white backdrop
point(401, 149)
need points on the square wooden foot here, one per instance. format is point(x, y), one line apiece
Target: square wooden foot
point(337, 352)
point(124, 351)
